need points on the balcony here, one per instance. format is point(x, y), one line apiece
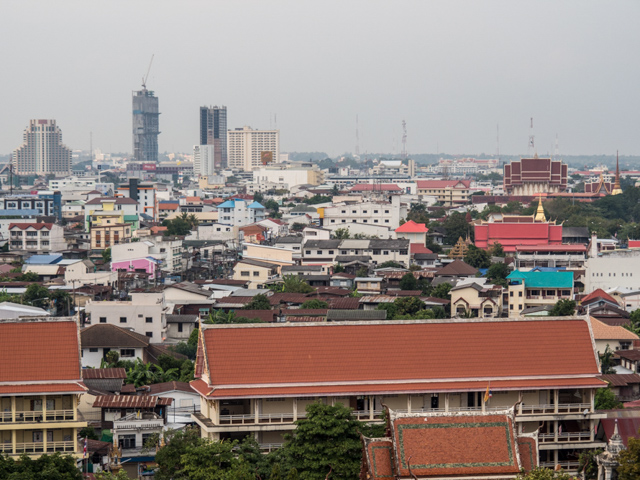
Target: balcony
point(550, 409)
point(38, 447)
point(37, 416)
point(565, 437)
point(267, 418)
point(564, 465)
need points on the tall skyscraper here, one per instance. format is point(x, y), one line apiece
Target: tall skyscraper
point(213, 131)
point(249, 149)
point(203, 160)
point(145, 126)
point(42, 151)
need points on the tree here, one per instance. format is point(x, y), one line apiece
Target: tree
point(141, 374)
point(272, 205)
point(497, 250)
point(258, 302)
point(295, 284)
point(456, 226)
point(477, 258)
point(408, 305)
point(169, 457)
point(45, 467)
point(335, 190)
point(297, 227)
point(314, 304)
point(258, 197)
point(408, 282)
point(498, 273)
point(606, 361)
point(362, 271)
point(88, 432)
point(563, 308)
point(337, 268)
point(587, 463)
point(327, 440)
point(316, 199)
point(28, 277)
point(390, 264)
point(391, 308)
point(606, 399)
point(215, 461)
point(441, 290)
point(341, 233)
point(540, 473)
point(112, 357)
point(35, 292)
point(629, 460)
point(62, 302)
point(121, 475)
point(106, 255)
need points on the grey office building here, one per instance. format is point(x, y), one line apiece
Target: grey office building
point(145, 126)
point(213, 131)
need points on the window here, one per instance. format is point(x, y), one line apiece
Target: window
point(244, 273)
point(103, 319)
point(330, 252)
point(385, 252)
point(127, 352)
point(127, 441)
point(375, 211)
point(123, 319)
point(149, 320)
point(386, 211)
point(511, 307)
point(319, 252)
point(179, 328)
point(145, 437)
point(519, 294)
point(551, 293)
point(256, 273)
point(519, 307)
point(93, 350)
point(307, 252)
point(149, 334)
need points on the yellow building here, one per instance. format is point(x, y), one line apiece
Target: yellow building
point(40, 387)
point(108, 228)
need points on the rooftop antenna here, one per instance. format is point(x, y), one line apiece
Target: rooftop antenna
point(556, 150)
point(404, 139)
point(531, 140)
point(498, 140)
point(146, 77)
point(357, 138)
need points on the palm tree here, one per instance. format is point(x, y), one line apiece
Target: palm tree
point(141, 374)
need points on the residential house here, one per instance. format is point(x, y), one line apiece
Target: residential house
point(144, 314)
point(254, 233)
point(128, 207)
point(179, 327)
point(368, 285)
point(449, 192)
point(453, 272)
point(143, 193)
point(373, 213)
point(185, 399)
point(343, 280)
point(188, 298)
point(37, 237)
point(615, 337)
point(41, 387)
point(239, 213)
point(266, 393)
point(108, 229)
point(152, 255)
point(626, 387)
point(532, 289)
point(84, 272)
point(553, 256)
point(290, 242)
point(257, 271)
point(414, 232)
point(476, 298)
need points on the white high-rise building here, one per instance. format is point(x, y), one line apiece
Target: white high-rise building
point(42, 151)
point(249, 149)
point(204, 160)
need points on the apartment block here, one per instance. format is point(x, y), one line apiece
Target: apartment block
point(37, 237)
point(538, 289)
point(42, 151)
point(249, 149)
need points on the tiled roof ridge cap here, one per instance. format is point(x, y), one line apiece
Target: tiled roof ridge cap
point(444, 321)
point(80, 382)
point(406, 381)
point(34, 319)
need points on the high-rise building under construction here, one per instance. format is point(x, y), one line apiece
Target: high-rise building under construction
point(145, 126)
point(213, 131)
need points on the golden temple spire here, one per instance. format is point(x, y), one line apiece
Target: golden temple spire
point(540, 212)
point(616, 187)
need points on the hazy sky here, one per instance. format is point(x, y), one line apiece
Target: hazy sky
point(453, 70)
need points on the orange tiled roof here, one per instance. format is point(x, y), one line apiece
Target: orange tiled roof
point(455, 445)
point(338, 357)
point(76, 387)
point(393, 388)
point(602, 331)
point(599, 293)
point(37, 226)
point(39, 352)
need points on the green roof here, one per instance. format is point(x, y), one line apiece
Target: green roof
point(543, 279)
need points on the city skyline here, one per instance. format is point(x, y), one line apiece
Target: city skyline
point(454, 71)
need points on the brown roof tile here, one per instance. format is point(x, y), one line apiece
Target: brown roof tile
point(103, 373)
point(130, 401)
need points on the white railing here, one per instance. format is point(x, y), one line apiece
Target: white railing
point(547, 409)
point(250, 418)
point(38, 447)
point(269, 447)
point(366, 414)
point(563, 465)
point(566, 437)
point(38, 416)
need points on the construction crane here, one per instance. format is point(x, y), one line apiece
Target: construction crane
point(404, 139)
point(144, 79)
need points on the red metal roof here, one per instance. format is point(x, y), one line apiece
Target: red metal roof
point(412, 227)
point(103, 373)
point(599, 293)
point(339, 357)
point(418, 248)
point(130, 401)
point(77, 387)
point(36, 226)
point(551, 248)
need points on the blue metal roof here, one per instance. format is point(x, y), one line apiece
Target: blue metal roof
point(228, 204)
point(255, 205)
point(44, 259)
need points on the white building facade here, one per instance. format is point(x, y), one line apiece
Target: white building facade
point(249, 149)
